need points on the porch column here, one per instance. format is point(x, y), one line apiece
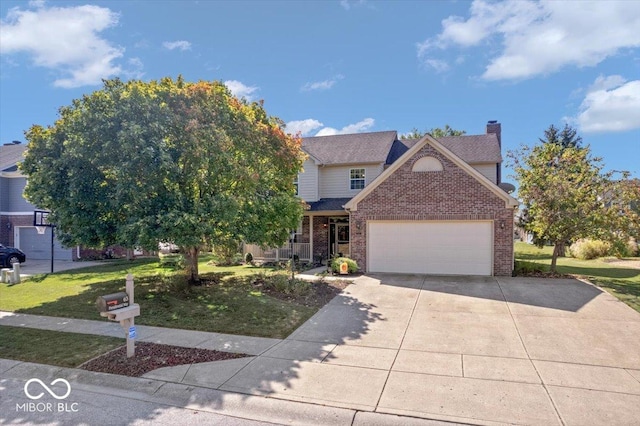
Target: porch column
point(311, 238)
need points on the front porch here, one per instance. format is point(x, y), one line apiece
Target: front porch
point(319, 238)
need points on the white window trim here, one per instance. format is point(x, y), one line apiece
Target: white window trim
point(352, 180)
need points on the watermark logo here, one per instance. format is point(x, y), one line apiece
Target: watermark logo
point(47, 388)
point(33, 385)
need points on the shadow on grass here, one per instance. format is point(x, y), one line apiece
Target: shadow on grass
point(599, 272)
point(343, 319)
point(227, 305)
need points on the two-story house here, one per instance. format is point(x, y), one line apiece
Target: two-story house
point(408, 206)
point(16, 213)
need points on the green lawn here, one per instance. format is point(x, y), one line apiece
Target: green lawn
point(71, 349)
point(228, 304)
point(624, 283)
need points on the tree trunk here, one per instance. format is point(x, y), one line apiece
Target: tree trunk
point(562, 249)
point(130, 254)
point(191, 264)
point(554, 257)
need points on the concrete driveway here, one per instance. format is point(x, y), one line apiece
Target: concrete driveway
point(36, 266)
point(472, 350)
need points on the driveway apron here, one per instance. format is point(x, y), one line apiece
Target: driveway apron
point(481, 350)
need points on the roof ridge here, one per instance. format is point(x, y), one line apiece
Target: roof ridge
point(351, 134)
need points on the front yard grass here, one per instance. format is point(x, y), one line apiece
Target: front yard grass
point(53, 347)
point(624, 283)
point(229, 302)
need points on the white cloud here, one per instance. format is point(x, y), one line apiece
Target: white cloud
point(540, 37)
point(64, 39)
point(321, 85)
point(178, 44)
point(437, 64)
point(348, 4)
point(241, 90)
point(359, 127)
point(135, 69)
point(303, 126)
point(612, 104)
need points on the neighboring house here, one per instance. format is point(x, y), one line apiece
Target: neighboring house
point(409, 206)
point(16, 213)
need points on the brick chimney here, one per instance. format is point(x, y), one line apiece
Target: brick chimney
point(494, 127)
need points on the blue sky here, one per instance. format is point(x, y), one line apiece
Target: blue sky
point(347, 66)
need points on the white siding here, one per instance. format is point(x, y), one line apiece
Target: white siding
point(334, 180)
point(308, 181)
point(488, 170)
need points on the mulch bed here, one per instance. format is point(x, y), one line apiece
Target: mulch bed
point(543, 274)
point(321, 293)
point(151, 356)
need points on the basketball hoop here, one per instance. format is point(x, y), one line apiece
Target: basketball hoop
point(41, 229)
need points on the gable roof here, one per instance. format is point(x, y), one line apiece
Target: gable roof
point(509, 200)
point(350, 149)
point(473, 149)
point(385, 147)
point(10, 156)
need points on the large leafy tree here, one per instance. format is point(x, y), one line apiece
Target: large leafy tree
point(568, 195)
point(138, 163)
point(566, 138)
point(436, 132)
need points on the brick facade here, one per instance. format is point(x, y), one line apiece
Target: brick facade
point(451, 194)
point(321, 237)
point(8, 223)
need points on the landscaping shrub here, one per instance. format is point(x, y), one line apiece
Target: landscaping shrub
point(248, 258)
point(228, 253)
point(587, 249)
point(352, 265)
point(522, 268)
point(282, 283)
point(631, 248)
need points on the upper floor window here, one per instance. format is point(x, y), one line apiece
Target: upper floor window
point(356, 178)
point(296, 185)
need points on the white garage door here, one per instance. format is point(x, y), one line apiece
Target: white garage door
point(427, 247)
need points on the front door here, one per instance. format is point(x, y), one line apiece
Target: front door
point(339, 237)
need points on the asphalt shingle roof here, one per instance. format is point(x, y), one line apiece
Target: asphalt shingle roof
point(349, 149)
point(10, 155)
point(328, 204)
point(384, 147)
point(472, 149)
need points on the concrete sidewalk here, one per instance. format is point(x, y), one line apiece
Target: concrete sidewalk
point(475, 350)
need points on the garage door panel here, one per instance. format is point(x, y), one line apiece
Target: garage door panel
point(37, 246)
point(452, 248)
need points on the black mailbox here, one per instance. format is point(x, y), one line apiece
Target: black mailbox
point(111, 302)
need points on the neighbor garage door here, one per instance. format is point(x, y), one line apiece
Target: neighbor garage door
point(37, 246)
point(427, 247)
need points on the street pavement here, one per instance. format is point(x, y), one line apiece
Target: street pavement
point(400, 349)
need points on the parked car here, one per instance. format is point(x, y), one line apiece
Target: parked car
point(11, 255)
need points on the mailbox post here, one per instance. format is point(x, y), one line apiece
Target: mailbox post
point(121, 307)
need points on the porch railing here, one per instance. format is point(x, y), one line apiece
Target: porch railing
point(302, 250)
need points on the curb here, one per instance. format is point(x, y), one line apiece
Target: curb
point(250, 407)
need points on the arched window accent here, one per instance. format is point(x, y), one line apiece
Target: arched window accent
point(427, 164)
